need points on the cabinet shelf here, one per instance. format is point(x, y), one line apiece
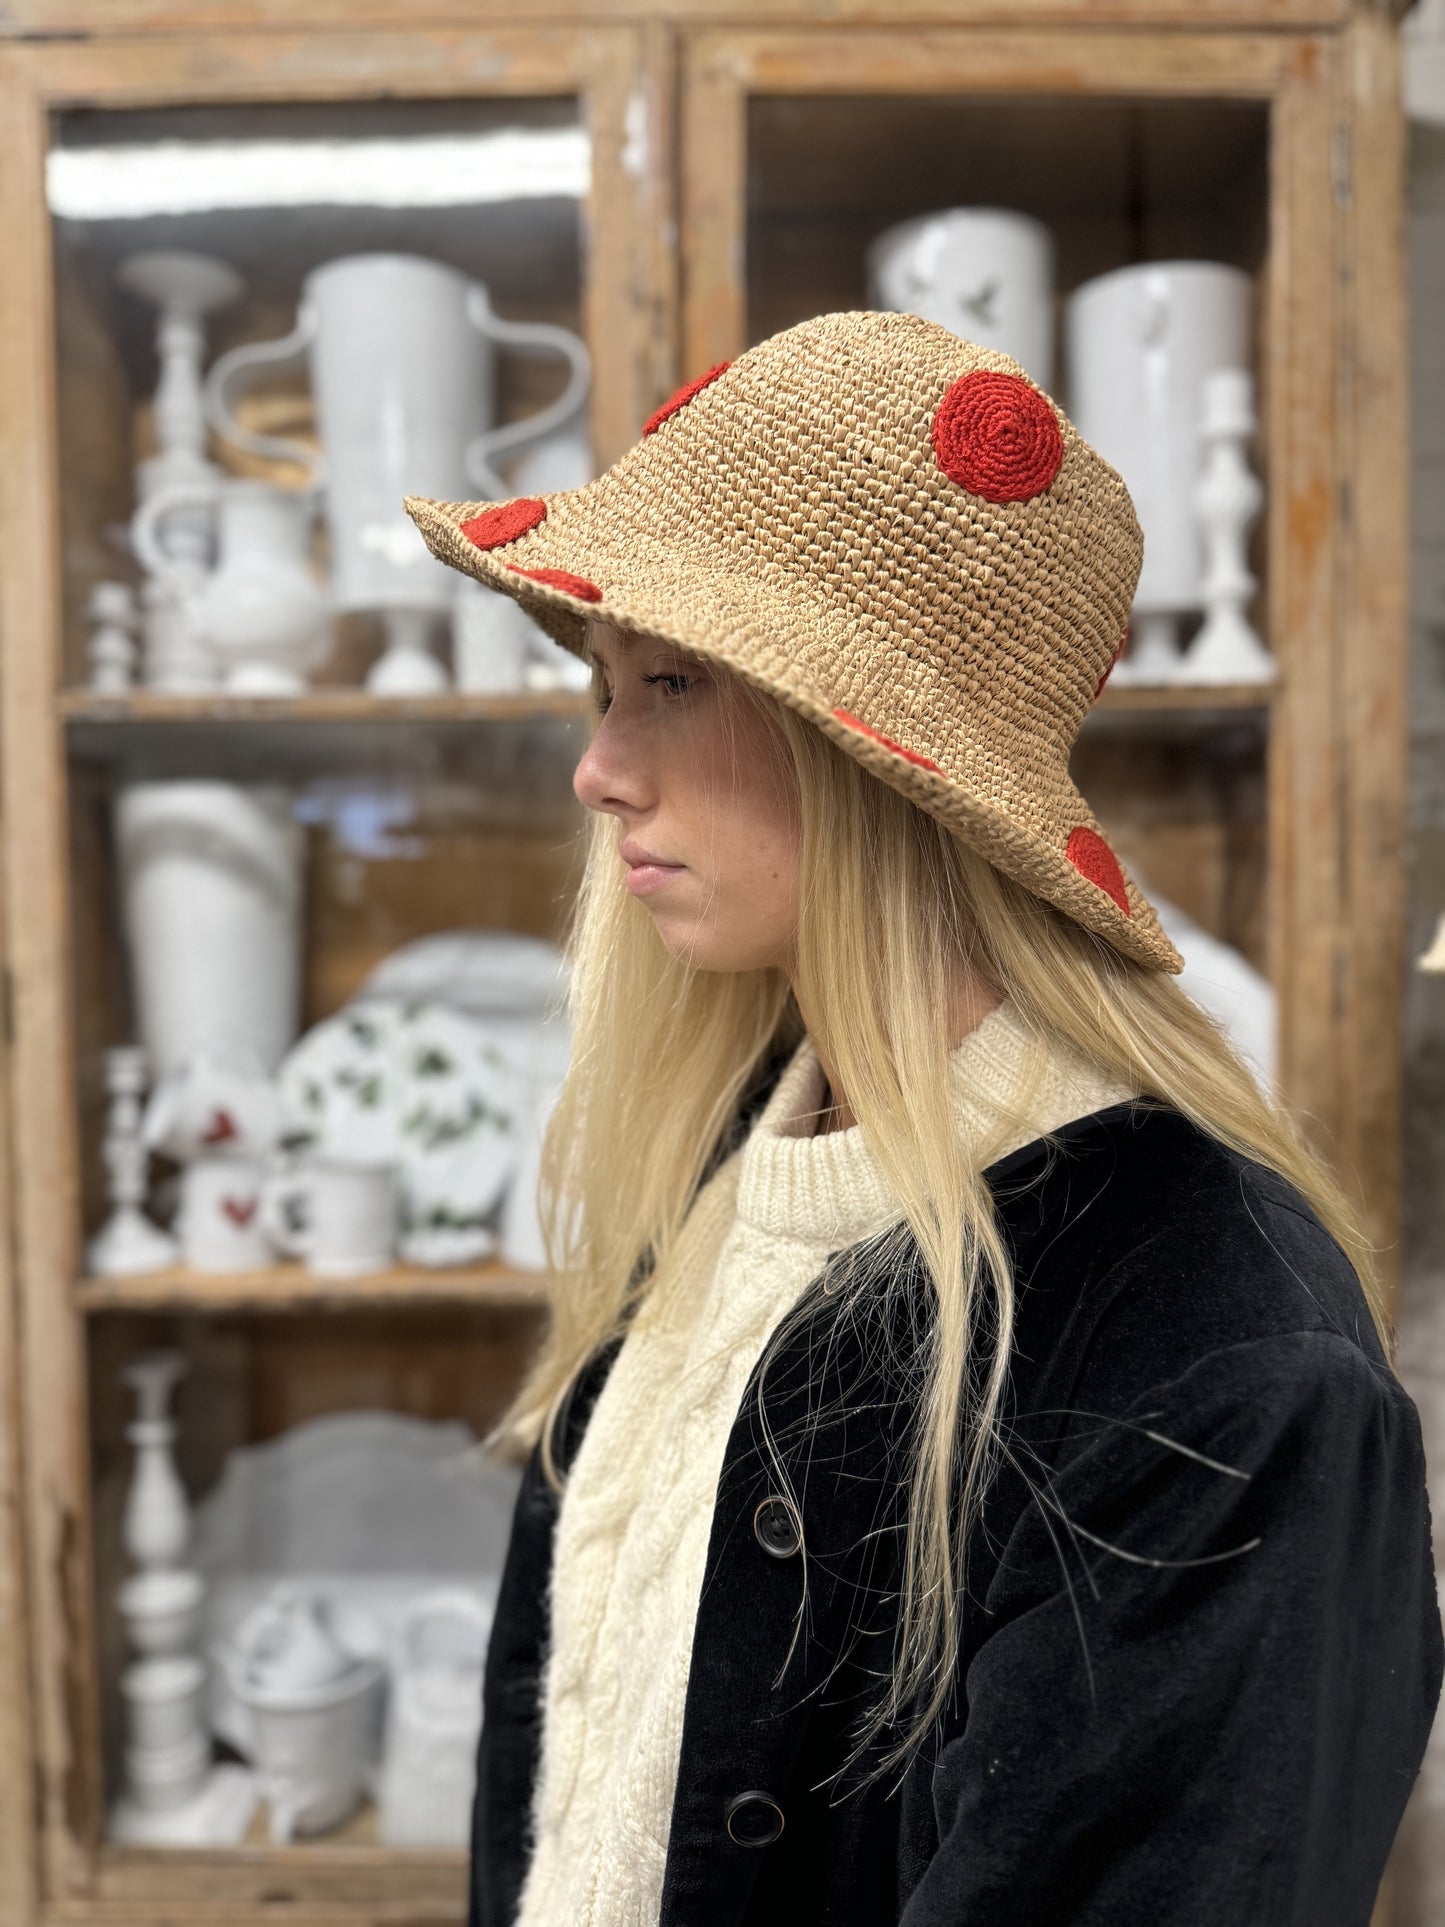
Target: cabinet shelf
point(1176, 710)
point(87, 714)
point(291, 1287)
point(157, 733)
point(1187, 698)
point(87, 707)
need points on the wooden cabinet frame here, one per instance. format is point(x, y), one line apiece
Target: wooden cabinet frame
point(1338, 529)
point(53, 1860)
point(1338, 534)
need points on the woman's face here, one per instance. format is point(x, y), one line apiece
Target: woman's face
point(700, 780)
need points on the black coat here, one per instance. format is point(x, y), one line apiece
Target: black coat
point(1227, 1735)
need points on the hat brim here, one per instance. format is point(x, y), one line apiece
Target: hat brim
point(781, 638)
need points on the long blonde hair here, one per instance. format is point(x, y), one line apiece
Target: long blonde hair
point(891, 903)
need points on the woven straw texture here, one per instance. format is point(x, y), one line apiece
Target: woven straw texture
point(897, 533)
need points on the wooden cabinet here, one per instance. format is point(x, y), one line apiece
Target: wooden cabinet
point(740, 160)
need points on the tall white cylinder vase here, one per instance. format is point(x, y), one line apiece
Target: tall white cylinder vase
point(985, 272)
point(211, 879)
point(1139, 343)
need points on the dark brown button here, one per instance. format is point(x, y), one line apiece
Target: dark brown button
point(777, 1528)
point(754, 1819)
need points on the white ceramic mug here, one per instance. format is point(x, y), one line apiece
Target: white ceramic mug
point(987, 273)
point(401, 352)
point(339, 1216)
point(219, 1223)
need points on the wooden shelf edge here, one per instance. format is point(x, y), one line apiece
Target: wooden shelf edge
point(292, 1288)
point(1187, 698)
point(317, 705)
point(84, 706)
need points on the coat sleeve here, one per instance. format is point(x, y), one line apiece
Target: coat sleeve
point(509, 1745)
point(1230, 1733)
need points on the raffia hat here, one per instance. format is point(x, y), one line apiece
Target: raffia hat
point(897, 533)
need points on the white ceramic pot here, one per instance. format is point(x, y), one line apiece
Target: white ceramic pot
point(211, 882)
point(1140, 342)
point(401, 353)
point(314, 1746)
point(261, 612)
point(987, 273)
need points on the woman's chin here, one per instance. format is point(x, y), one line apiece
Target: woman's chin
point(706, 948)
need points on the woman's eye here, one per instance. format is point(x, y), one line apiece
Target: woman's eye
point(676, 684)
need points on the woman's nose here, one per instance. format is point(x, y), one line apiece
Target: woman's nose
point(611, 774)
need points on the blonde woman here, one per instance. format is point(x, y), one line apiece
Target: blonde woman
point(967, 1483)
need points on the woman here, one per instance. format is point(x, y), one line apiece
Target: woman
point(967, 1481)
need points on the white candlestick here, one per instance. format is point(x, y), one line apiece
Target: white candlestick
point(1228, 499)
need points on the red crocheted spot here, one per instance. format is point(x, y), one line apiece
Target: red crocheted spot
point(683, 396)
point(997, 437)
point(576, 585)
point(1099, 686)
point(494, 528)
point(924, 762)
point(1092, 858)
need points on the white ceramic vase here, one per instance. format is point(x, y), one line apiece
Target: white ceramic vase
point(260, 611)
point(211, 877)
point(1140, 342)
point(401, 354)
point(434, 1715)
point(985, 272)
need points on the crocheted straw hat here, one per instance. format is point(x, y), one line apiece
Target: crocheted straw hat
point(897, 533)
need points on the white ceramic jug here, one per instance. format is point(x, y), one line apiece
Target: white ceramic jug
point(401, 354)
point(985, 272)
point(260, 611)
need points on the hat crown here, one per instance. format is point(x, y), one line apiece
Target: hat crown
point(813, 464)
point(896, 532)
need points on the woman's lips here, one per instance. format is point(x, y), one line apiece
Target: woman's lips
point(644, 878)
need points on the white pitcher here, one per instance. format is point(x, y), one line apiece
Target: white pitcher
point(260, 611)
point(401, 355)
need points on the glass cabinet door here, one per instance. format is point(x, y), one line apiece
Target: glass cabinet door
point(289, 1001)
point(1140, 218)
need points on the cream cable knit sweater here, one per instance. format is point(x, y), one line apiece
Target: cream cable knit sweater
point(632, 1534)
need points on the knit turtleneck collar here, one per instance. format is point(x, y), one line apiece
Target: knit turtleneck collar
point(830, 1191)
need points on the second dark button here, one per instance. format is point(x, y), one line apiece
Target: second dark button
point(777, 1529)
